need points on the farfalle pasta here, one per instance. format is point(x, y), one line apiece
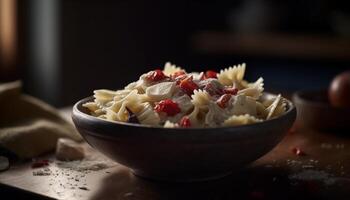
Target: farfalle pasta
point(173, 98)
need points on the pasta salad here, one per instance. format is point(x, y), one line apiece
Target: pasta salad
point(173, 98)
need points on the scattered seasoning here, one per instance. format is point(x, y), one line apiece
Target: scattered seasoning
point(297, 151)
point(42, 172)
point(84, 188)
point(313, 175)
point(40, 163)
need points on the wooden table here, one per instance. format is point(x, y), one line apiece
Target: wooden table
point(322, 173)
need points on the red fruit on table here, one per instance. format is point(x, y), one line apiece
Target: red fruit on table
point(339, 90)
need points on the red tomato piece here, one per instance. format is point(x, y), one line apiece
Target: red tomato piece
point(156, 75)
point(211, 74)
point(188, 85)
point(185, 122)
point(167, 106)
point(222, 101)
point(232, 91)
point(178, 73)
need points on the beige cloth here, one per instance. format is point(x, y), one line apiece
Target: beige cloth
point(28, 126)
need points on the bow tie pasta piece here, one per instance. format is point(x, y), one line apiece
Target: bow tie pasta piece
point(200, 98)
point(244, 105)
point(276, 108)
point(118, 110)
point(111, 115)
point(237, 120)
point(261, 110)
point(131, 101)
point(197, 117)
point(147, 115)
point(138, 85)
point(253, 90)
point(92, 106)
point(104, 96)
point(170, 69)
point(94, 109)
point(161, 91)
point(231, 75)
point(121, 94)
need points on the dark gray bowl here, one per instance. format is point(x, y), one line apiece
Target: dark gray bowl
point(182, 154)
point(316, 112)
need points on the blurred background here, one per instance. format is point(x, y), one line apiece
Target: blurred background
point(64, 49)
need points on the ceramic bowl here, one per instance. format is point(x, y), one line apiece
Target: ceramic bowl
point(315, 112)
point(182, 154)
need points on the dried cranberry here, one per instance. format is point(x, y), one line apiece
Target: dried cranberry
point(156, 75)
point(188, 85)
point(232, 91)
point(222, 101)
point(167, 106)
point(185, 122)
point(297, 151)
point(210, 74)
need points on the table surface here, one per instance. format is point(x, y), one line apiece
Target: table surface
point(322, 173)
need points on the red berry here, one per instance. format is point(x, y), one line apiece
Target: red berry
point(297, 151)
point(185, 122)
point(232, 91)
point(211, 74)
point(167, 106)
point(222, 101)
point(156, 75)
point(188, 85)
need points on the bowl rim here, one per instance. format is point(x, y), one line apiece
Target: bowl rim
point(82, 115)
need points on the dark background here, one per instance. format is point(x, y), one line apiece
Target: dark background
point(65, 49)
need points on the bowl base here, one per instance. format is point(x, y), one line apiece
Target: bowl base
point(179, 179)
